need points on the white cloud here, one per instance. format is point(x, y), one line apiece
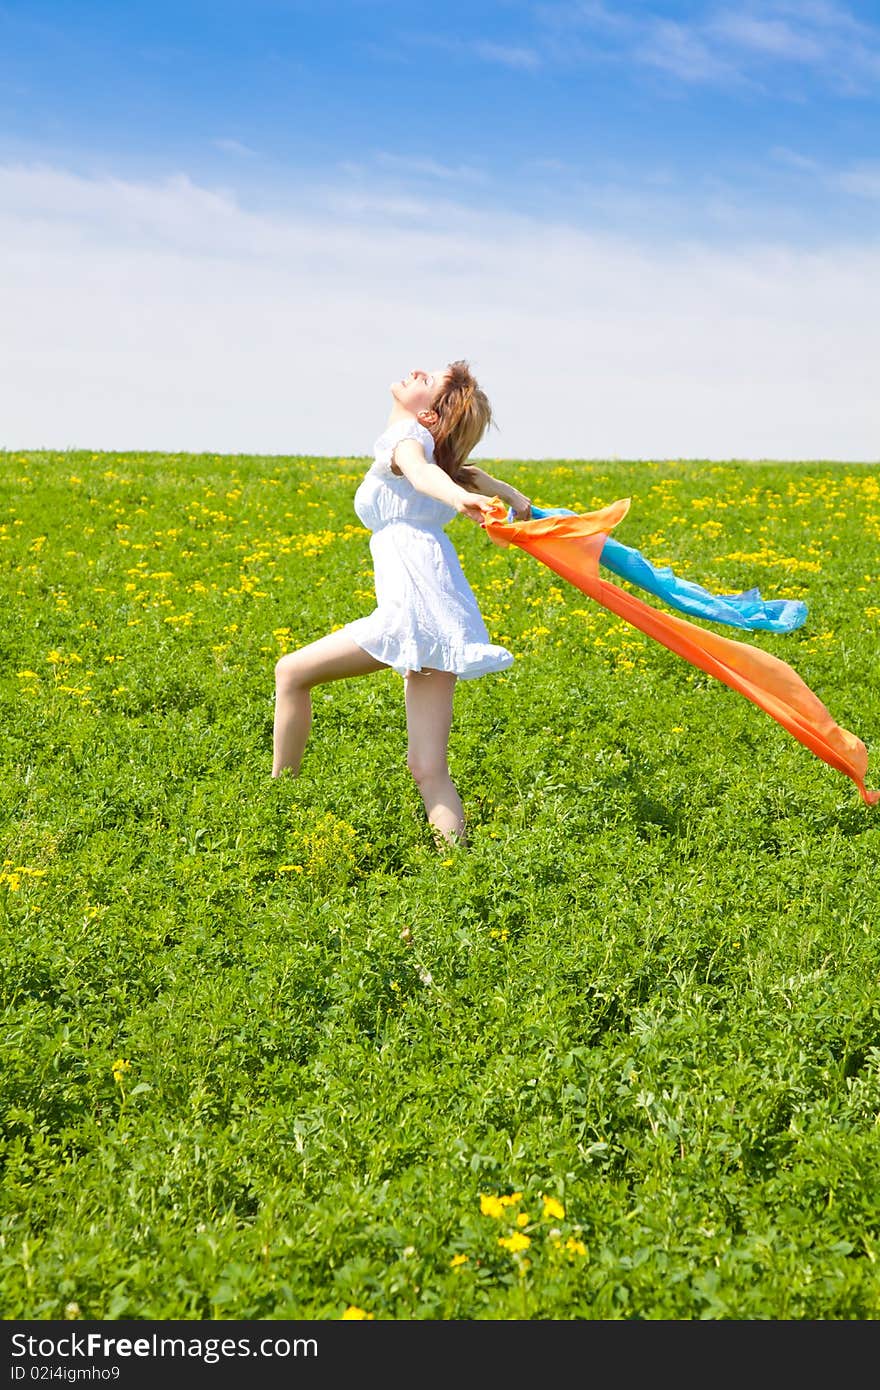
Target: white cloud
point(859, 180)
point(507, 55)
point(427, 168)
point(831, 18)
point(168, 316)
point(234, 147)
point(732, 45)
point(684, 53)
point(862, 179)
point(793, 159)
point(774, 37)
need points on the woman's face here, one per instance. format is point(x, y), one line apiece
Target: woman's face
point(419, 390)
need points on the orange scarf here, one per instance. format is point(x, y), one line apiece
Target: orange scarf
point(570, 546)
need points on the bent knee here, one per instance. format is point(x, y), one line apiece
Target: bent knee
point(426, 769)
point(292, 672)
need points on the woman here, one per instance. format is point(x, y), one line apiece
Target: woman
point(427, 625)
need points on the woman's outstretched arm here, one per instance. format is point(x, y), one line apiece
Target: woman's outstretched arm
point(410, 459)
point(476, 479)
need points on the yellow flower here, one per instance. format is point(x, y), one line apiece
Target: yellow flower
point(353, 1313)
point(491, 1206)
point(522, 1219)
point(457, 1261)
point(515, 1242)
point(553, 1210)
point(119, 1068)
point(576, 1247)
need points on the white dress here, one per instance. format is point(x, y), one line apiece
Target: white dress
point(426, 615)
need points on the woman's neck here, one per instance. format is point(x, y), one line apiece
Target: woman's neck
point(399, 412)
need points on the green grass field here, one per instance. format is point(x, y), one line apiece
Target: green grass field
point(267, 1054)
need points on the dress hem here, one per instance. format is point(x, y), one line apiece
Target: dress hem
point(491, 661)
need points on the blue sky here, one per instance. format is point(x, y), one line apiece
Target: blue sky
point(491, 159)
point(739, 119)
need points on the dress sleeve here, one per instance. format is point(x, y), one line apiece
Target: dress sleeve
point(406, 429)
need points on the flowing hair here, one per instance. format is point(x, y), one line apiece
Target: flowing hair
point(464, 415)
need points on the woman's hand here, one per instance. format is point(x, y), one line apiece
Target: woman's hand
point(476, 480)
point(473, 505)
point(522, 507)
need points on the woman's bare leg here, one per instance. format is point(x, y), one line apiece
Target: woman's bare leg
point(428, 721)
point(331, 658)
